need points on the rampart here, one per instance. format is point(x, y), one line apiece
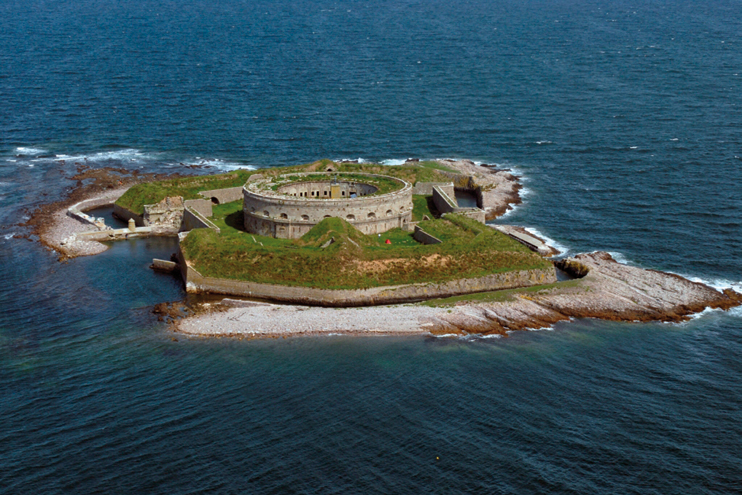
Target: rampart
point(267, 212)
point(196, 283)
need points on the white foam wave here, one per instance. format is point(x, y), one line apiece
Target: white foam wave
point(394, 161)
point(29, 150)
point(549, 328)
point(618, 256)
point(217, 163)
point(3, 184)
point(507, 213)
point(544, 142)
point(551, 242)
point(703, 313)
point(717, 283)
point(8, 236)
point(124, 155)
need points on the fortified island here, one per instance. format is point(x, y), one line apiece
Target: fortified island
point(346, 234)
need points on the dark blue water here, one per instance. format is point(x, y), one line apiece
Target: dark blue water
point(624, 120)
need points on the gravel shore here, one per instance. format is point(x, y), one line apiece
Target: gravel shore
point(272, 320)
point(61, 228)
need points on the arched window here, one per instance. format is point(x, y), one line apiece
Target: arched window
point(284, 216)
point(350, 217)
point(389, 213)
point(372, 215)
point(265, 213)
point(305, 218)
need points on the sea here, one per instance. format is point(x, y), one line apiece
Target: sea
point(623, 119)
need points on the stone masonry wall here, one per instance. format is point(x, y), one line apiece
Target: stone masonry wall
point(196, 283)
point(444, 201)
point(168, 212)
point(226, 195)
point(123, 214)
point(289, 217)
point(203, 206)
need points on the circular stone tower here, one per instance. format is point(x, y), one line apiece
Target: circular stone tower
point(288, 206)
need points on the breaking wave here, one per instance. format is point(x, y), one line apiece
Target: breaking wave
point(563, 250)
point(618, 256)
point(717, 283)
point(216, 163)
point(29, 151)
point(124, 155)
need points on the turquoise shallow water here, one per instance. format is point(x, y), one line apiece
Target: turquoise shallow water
point(623, 120)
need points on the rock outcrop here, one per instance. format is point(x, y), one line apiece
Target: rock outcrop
point(608, 291)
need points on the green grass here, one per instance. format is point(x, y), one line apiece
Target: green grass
point(411, 173)
point(499, 295)
point(354, 260)
point(435, 166)
point(188, 187)
point(421, 206)
point(398, 237)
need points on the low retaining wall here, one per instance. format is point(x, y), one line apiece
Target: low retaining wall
point(195, 283)
point(78, 215)
point(423, 237)
point(117, 234)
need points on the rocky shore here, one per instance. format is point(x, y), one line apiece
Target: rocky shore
point(56, 230)
point(500, 189)
point(607, 290)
